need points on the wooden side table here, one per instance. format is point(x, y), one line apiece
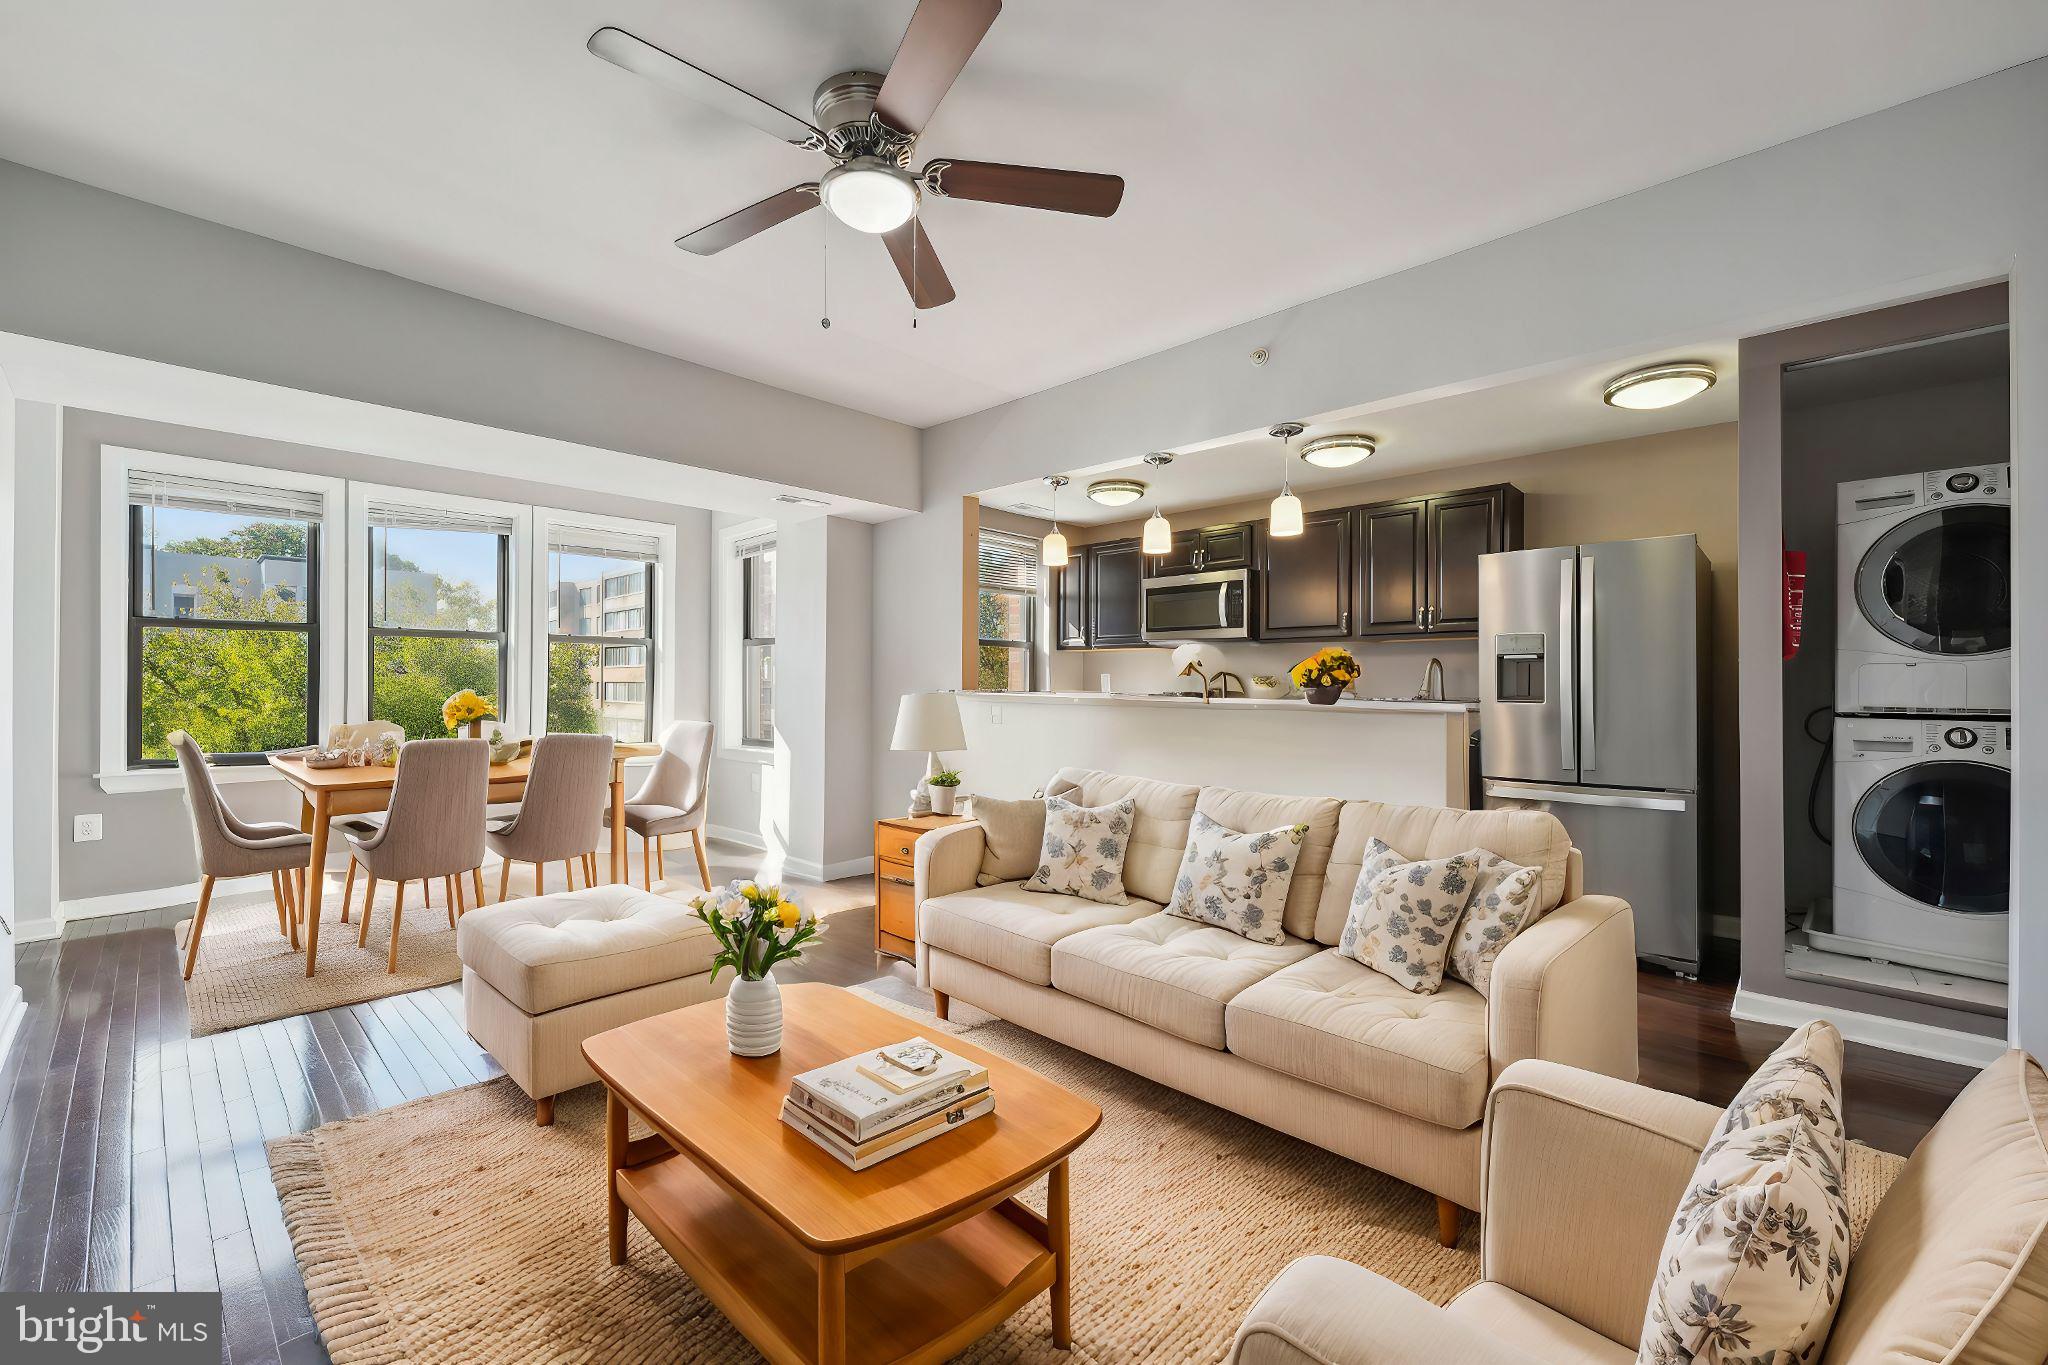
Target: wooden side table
point(895, 900)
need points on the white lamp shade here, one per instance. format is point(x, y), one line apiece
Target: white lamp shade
point(928, 722)
point(1158, 535)
point(1052, 551)
point(1286, 516)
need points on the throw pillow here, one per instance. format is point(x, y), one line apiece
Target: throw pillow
point(1503, 903)
point(1753, 1266)
point(1402, 915)
point(1012, 833)
point(1083, 850)
point(1234, 880)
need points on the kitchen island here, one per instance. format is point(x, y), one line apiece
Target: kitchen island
point(1407, 752)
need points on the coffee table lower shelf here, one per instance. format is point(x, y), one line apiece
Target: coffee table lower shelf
point(924, 1298)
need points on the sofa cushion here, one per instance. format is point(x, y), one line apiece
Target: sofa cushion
point(1161, 829)
point(1342, 1025)
point(1258, 811)
point(545, 952)
point(1168, 972)
point(1539, 1331)
point(1012, 833)
point(1013, 930)
point(1237, 879)
point(1532, 838)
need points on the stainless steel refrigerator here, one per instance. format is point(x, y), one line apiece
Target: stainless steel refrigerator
point(1593, 699)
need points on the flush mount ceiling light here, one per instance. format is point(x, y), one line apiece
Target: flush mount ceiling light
point(1116, 492)
point(1158, 538)
point(1659, 386)
point(1340, 451)
point(1285, 518)
point(869, 194)
point(1052, 551)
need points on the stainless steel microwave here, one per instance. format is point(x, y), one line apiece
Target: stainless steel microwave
point(1199, 606)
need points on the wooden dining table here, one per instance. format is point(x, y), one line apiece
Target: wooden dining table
point(325, 793)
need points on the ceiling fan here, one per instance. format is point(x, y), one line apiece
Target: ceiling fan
point(868, 123)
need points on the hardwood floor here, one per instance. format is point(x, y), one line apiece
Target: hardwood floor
point(132, 1155)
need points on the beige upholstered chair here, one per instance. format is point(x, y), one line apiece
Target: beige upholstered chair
point(229, 846)
point(674, 797)
point(559, 817)
point(434, 828)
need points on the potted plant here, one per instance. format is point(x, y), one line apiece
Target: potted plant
point(756, 927)
point(1325, 674)
point(945, 790)
point(466, 711)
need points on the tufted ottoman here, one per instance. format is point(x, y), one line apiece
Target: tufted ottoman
point(540, 975)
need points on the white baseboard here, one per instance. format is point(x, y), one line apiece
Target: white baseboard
point(1893, 1035)
point(745, 838)
point(157, 897)
point(37, 930)
point(13, 1009)
point(849, 867)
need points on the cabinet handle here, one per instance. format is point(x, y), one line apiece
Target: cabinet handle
point(899, 881)
point(1344, 621)
point(906, 850)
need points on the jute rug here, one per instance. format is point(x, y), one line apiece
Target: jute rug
point(248, 973)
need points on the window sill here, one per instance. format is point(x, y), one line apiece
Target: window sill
point(170, 779)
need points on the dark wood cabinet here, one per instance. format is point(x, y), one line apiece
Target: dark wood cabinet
point(1116, 594)
point(1199, 549)
point(1305, 581)
point(1393, 566)
point(1418, 571)
point(1072, 602)
point(1463, 527)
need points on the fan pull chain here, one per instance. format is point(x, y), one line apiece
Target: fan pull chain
point(916, 235)
point(825, 271)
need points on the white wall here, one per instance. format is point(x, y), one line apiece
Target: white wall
point(11, 1010)
point(1944, 191)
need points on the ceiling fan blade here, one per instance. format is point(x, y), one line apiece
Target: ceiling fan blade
point(919, 265)
point(643, 58)
point(1031, 187)
point(942, 36)
point(737, 227)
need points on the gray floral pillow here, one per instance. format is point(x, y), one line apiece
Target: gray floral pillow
point(1236, 881)
point(1503, 903)
point(1402, 915)
point(1083, 850)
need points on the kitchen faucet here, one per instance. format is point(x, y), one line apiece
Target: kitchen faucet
point(1432, 682)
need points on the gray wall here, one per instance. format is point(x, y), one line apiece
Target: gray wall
point(148, 840)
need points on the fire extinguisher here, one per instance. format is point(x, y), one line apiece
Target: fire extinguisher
point(1795, 598)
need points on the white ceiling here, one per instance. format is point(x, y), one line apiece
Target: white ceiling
point(1552, 412)
point(1272, 153)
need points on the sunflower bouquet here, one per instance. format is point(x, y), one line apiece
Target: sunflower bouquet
point(756, 927)
point(1332, 667)
point(464, 707)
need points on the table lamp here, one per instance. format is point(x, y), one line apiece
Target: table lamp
point(929, 721)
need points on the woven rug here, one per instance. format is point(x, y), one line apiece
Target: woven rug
point(249, 974)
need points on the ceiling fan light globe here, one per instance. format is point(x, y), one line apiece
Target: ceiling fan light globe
point(869, 195)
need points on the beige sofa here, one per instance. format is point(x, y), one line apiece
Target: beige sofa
point(1294, 1035)
point(1583, 1174)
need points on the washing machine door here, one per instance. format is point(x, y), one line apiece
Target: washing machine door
point(1940, 833)
point(1941, 582)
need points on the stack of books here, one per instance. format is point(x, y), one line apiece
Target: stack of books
point(869, 1107)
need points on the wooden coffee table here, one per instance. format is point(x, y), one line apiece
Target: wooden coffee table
point(909, 1260)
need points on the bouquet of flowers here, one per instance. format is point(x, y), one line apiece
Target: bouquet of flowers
point(1332, 667)
point(756, 927)
point(464, 707)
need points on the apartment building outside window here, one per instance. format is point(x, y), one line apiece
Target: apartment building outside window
point(600, 643)
point(439, 595)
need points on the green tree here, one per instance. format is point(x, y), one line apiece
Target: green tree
point(411, 675)
point(277, 539)
point(233, 691)
point(571, 707)
point(994, 661)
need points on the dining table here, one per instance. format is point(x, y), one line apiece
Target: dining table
point(327, 793)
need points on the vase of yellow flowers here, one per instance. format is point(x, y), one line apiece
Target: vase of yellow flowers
point(466, 711)
point(756, 927)
point(1324, 675)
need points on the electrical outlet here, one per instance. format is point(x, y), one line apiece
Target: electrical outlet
point(995, 715)
point(754, 779)
point(84, 828)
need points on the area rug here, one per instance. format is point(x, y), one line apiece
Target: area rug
point(249, 974)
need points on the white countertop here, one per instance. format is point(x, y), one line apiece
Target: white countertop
point(1344, 704)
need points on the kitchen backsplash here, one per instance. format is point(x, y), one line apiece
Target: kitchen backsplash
point(1393, 668)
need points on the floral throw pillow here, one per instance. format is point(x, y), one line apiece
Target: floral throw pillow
point(1236, 881)
point(1403, 913)
point(1503, 903)
point(1083, 850)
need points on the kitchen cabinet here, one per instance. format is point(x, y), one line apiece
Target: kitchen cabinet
point(1116, 594)
point(1305, 581)
point(1199, 549)
point(1393, 566)
point(1071, 611)
point(1418, 561)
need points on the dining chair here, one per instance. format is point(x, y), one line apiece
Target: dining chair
point(560, 815)
point(435, 828)
point(674, 798)
point(365, 823)
point(229, 846)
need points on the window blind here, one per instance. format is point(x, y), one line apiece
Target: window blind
point(1009, 562)
point(191, 493)
point(754, 545)
point(603, 542)
point(407, 516)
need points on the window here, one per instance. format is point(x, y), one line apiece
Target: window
point(439, 587)
point(601, 662)
point(223, 615)
point(757, 642)
point(1006, 612)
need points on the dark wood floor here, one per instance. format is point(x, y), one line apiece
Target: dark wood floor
point(132, 1155)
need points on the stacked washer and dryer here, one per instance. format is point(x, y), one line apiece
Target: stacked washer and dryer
point(1923, 721)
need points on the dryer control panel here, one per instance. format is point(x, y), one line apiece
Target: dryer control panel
point(1949, 737)
point(1868, 498)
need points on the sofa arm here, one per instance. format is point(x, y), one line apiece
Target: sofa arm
point(1580, 1177)
point(1323, 1311)
point(1564, 989)
point(945, 861)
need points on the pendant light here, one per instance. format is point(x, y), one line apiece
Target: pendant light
point(1158, 538)
point(1052, 551)
point(1285, 519)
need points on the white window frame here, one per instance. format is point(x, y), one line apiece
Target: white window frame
point(115, 774)
point(514, 709)
point(662, 629)
point(727, 657)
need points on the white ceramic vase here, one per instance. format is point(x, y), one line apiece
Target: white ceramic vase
point(943, 799)
point(753, 1017)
